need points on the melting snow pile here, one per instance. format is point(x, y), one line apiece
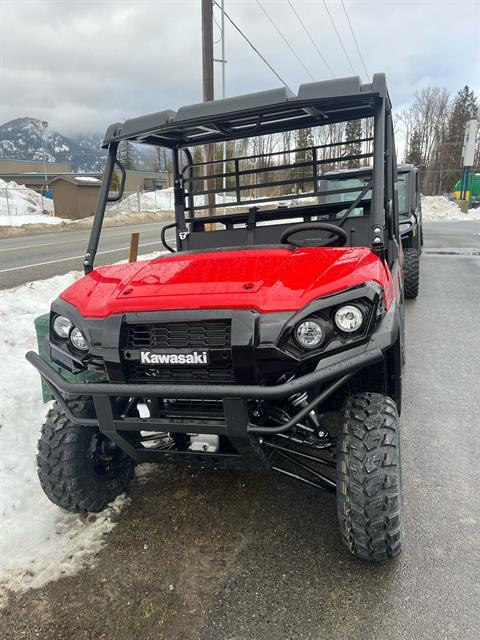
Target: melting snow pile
point(160, 200)
point(440, 208)
point(38, 541)
point(20, 205)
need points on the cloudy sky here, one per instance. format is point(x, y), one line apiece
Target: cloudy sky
point(83, 64)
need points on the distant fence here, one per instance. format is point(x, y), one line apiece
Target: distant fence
point(141, 201)
point(22, 201)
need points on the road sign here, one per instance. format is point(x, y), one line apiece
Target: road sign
point(468, 151)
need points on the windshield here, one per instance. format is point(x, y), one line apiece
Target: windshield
point(349, 196)
point(402, 193)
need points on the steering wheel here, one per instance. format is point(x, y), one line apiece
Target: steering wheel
point(339, 240)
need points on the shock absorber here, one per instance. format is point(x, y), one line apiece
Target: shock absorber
point(300, 400)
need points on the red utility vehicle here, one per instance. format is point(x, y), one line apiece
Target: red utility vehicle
point(272, 334)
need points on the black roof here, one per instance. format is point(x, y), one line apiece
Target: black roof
point(406, 168)
point(316, 103)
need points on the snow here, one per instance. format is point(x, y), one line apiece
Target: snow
point(440, 208)
point(86, 179)
point(160, 200)
point(20, 205)
point(38, 541)
point(19, 220)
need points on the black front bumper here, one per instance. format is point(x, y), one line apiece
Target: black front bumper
point(235, 423)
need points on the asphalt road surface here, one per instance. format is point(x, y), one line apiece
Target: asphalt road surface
point(27, 258)
point(239, 556)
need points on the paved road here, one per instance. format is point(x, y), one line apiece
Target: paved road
point(36, 257)
point(452, 235)
point(238, 556)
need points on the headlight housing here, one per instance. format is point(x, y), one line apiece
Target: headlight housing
point(65, 332)
point(62, 326)
point(77, 339)
point(309, 334)
point(332, 323)
point(349, 318)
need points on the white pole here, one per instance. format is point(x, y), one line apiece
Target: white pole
point(223, 49)
point(44, 130)
point(6, 195)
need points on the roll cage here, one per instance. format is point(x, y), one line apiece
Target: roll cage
point(269, 112)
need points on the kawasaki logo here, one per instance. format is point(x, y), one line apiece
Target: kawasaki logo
point(195, 357)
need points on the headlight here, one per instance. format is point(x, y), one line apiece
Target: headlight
point(62, 326)
point(309, 334)
point(349, 318)
point(77, 339)
point(405, 227)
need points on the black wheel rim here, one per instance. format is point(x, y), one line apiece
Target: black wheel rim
point(105, 457)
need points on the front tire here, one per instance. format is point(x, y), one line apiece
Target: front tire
point(411, 272)
point(79, 469)
point(369, 500)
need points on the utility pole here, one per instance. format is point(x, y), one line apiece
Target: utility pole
point(207, 50)
point(208, 91)
point(224, 95)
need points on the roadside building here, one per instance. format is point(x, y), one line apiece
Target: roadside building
point(31, 173)
point(138, 179)
point(75, 197)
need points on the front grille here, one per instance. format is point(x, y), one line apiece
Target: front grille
point(212, 334)
point(196, 335)
point(213, 373)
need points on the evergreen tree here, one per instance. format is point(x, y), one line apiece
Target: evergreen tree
point(125, 154)
point(303, 140)
point(465, 107)
point(414, 155)
point(114, 182)
point(353, 131)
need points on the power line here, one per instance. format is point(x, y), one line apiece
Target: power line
point(285, 39)
point(356, 42)
point(253, 46)
point(311, 39)
point(219, 28)
point(338, 36)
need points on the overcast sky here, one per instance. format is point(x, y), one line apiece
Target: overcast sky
point(81, 65)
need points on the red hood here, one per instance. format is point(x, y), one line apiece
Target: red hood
point(264, 279)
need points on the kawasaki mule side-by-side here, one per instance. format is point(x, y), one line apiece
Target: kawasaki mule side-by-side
point(411, 230)
point(409, 211)
point(269, 336)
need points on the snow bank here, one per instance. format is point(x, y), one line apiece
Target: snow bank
point(20, 205)
point(20, 220)
point(440, 208)
point(38, 542)
point(160, 200)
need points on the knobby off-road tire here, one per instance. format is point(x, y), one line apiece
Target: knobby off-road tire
point(79, 469)
point(369, 498)
point(411, 272)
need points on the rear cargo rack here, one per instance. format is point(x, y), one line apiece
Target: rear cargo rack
point(251, 180)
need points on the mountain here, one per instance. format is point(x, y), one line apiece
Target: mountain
point(25, 139)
